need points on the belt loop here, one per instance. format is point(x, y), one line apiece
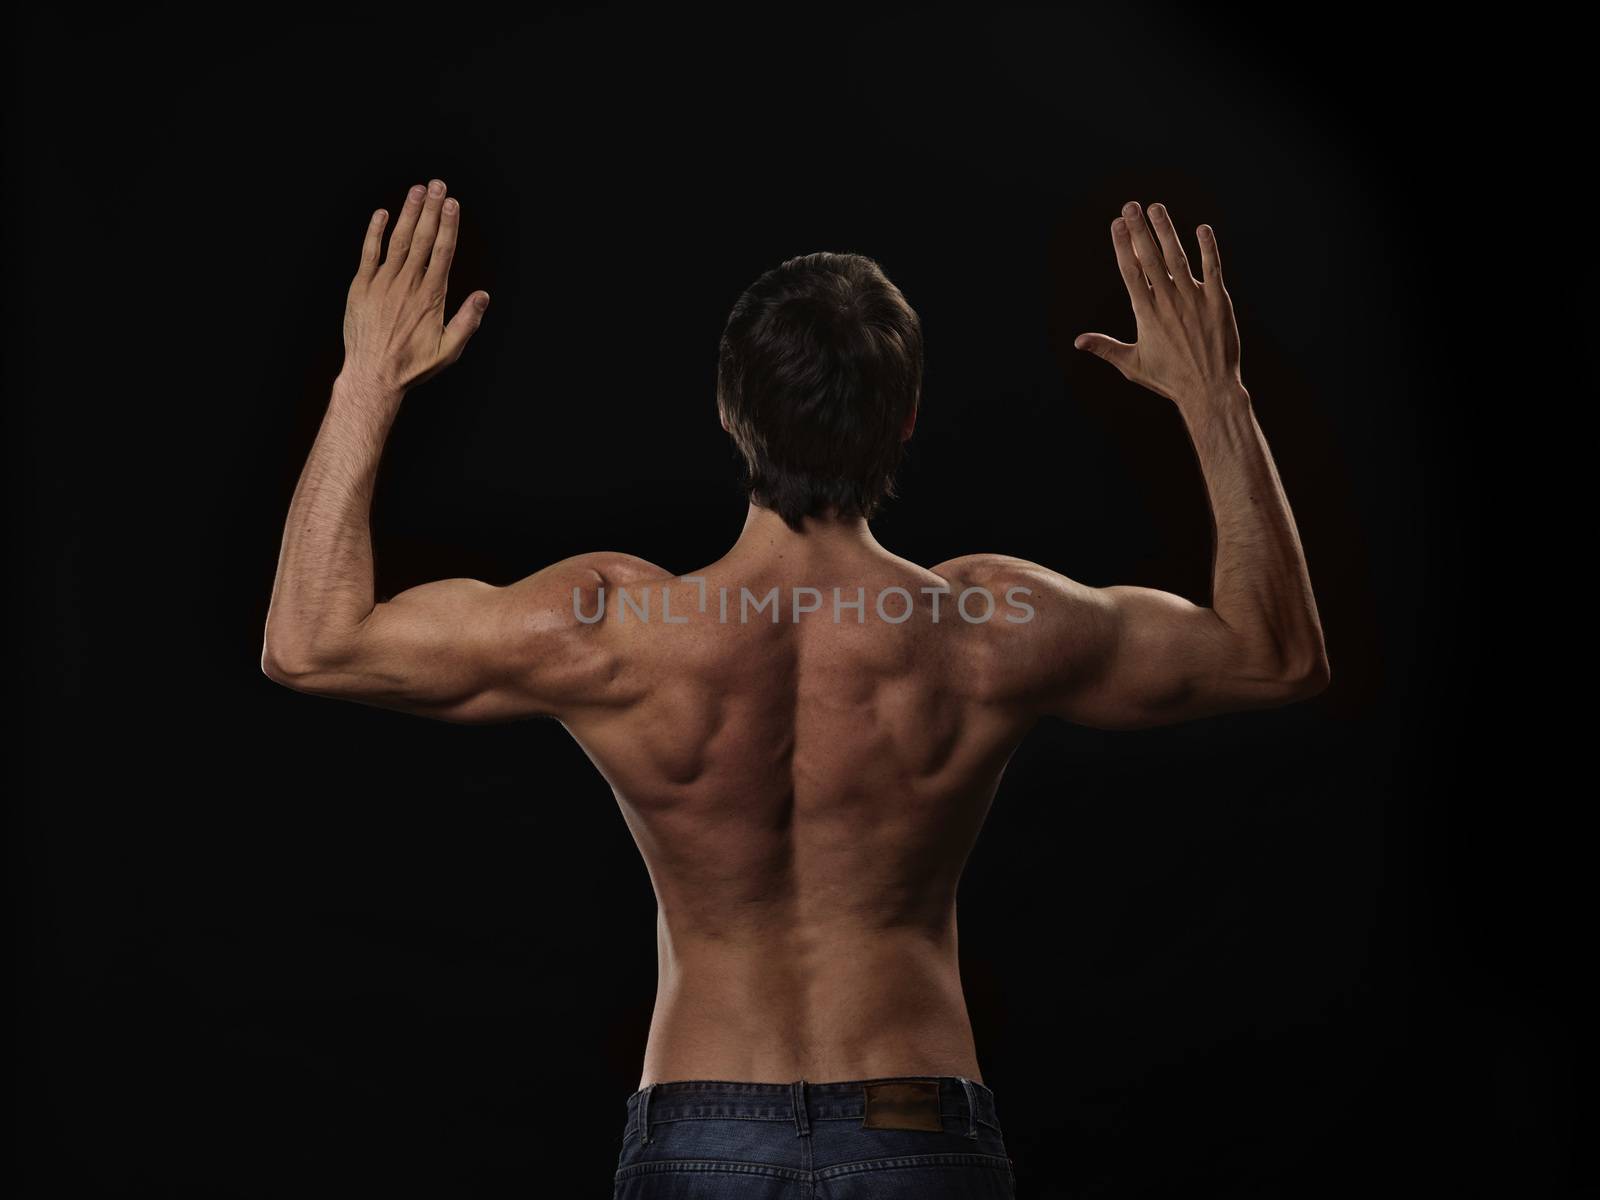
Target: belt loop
point(802, 1118)
point(972, 1106)
point(644, 1114)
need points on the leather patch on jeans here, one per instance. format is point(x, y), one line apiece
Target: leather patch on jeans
point(910, 1104)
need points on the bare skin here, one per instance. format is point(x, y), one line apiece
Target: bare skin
point(804, 792)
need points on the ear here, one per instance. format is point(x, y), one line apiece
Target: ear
point(911, 420)
point(723, 417)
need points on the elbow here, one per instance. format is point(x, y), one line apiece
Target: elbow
point(1294, 668)
point(303, 655)
point(1308, 678)
point(287, 663)
point(280, 668)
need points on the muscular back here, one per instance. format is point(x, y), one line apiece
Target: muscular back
point(805, 795)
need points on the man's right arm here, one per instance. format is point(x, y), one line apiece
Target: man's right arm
point(1129, 657)
point(1132, 657)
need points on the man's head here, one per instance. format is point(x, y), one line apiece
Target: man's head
point(818, 376)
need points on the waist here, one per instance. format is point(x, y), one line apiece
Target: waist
point(808, 965)
point(960, 1103)
point(884, 1024)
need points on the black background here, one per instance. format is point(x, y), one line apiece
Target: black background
point(275, 945)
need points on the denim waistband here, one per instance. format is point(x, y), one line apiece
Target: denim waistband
point(964, 1103)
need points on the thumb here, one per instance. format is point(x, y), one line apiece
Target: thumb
point(1118, 354)
point(464, 324)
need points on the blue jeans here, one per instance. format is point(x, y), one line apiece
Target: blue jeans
point(932, 1137)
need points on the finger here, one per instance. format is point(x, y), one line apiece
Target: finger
point(427, 227)
point(1145, 247)
point(373, 243)
point(463, 325)
point(444, 246)
point(1210, 257)
point(1128, 264)
point(400, 239)
point(1118, 354)
point(1171, 247)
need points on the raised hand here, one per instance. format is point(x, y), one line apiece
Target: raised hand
point(394, 331)
point(1188, 342)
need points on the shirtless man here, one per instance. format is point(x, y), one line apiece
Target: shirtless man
point(804, 736)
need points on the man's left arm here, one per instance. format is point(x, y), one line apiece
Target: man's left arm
point(458, 649)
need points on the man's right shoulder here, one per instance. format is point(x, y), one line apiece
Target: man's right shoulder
point(1046, 623)
point(998, 573)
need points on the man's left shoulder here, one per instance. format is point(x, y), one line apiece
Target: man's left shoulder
point(597, 568)
point(614, 566)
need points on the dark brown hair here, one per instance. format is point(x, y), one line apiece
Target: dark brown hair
point(819, 366)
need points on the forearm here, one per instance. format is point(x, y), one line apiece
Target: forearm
point(1261, 587)
point(324, 586)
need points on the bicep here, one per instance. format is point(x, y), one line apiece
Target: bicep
point(1160, 659)
point(1132, 657)
point(465, 651)
point(445, 649)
